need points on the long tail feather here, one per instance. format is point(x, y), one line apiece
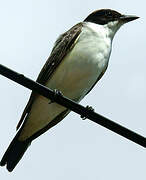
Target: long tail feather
point(14, 153)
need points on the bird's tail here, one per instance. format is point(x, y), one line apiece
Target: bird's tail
point(14, 153)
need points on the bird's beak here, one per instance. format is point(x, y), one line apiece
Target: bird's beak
point(128, 18)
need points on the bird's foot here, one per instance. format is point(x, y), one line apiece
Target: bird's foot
point(56, 93)
point(88, 108)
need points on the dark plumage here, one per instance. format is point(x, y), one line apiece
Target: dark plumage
point(14, 153)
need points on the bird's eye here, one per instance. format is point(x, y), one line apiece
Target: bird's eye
point(108, 14)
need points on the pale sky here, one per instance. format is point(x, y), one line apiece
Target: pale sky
point(75, 149)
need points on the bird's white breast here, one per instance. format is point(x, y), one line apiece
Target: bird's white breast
point(86, 61)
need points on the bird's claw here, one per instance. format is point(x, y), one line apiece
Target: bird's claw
point(88, 108)
point(56, 93)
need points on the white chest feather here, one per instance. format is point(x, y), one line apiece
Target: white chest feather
point(83, 65)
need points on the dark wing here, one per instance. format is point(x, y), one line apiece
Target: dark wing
point(62, 46)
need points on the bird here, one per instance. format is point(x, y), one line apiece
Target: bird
point(76, 63)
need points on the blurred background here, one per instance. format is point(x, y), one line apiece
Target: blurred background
point(75, 149)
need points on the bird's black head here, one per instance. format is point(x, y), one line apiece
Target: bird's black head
point(104, 16)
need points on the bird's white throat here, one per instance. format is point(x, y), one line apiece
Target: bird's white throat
point(108, 30)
